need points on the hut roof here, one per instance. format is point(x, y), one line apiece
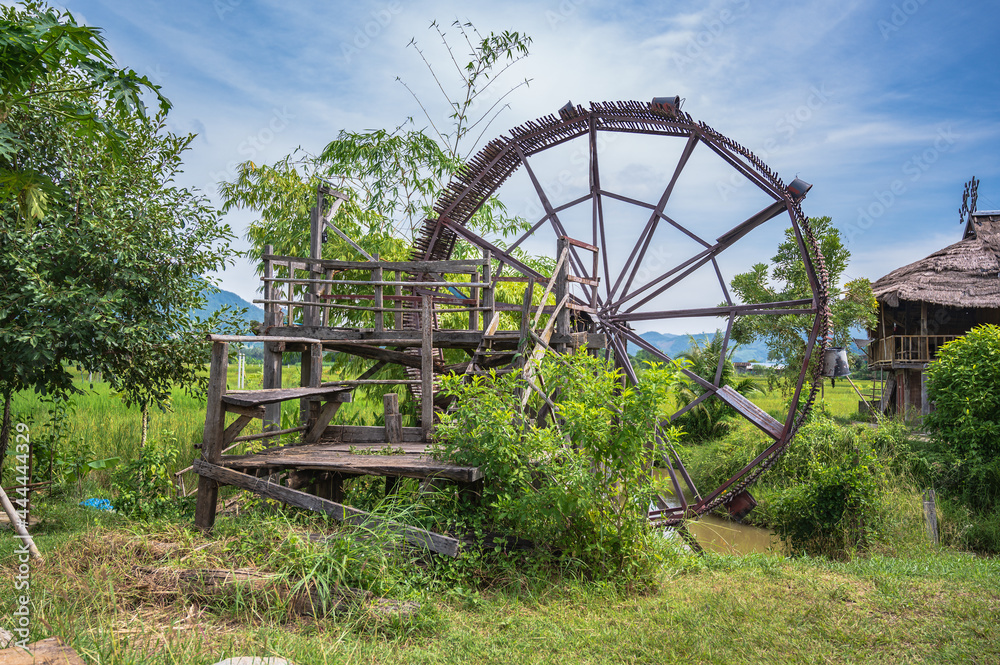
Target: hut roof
point(966, 274)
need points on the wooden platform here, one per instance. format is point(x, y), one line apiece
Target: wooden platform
point(338, 458)
point(251, 398)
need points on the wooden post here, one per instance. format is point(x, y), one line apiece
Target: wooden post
point(474, 296)
point(593, 295)
point(327, 289)
point(488, 299)
point(272, 350)
point(312, 377)
point(311, 315)
point(19, 528)
point(393, 419)
point(560, 290)
point(379, 314)
point(427, 367)
point(925, 403)
point(323, 486)
point(529, 292)
point(399, 302)
point(212, 440)
point(930, 516)
point(393, 433)
point(311, 365)
point(923, 348)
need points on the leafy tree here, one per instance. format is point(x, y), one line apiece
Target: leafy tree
point(391, 178)
point(851, 304)
point(106, 274)
point(45, 58)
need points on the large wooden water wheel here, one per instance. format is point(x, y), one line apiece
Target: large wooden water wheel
point(664, 268)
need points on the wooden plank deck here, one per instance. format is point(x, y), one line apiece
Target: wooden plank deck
point(252, 398)
point(334, 458)
point(378, 448)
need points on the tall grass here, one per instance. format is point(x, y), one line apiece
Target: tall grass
point(100, 424)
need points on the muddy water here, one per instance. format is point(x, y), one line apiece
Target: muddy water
point(717, 534)
point(720, 535)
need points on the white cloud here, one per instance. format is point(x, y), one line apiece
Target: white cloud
point(747, 68)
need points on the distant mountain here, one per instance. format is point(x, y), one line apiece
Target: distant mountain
point(216, 301)
point(674, 345)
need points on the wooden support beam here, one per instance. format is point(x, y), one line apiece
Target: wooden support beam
point(474, 298)
point(561, 291)
point(272, 355)
point(312, 377)
point(489, 298)
point(254, 411)
point(377, 353)
point(311, 315)
point(393, 434)
point(529, 290)
point(362, 434)
point(580, 243)
point(326, 414)
point(379, 304)
point(234, 429)
point(215, 425)
point(560, 263)
point(433, 541)
point(398, 289)
point(427, 368)
point(254, 399)
point(411, 267)
point(320, 457)
point(751, 412)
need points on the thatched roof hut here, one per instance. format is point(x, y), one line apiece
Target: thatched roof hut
point(965, 274)
point(925, 305)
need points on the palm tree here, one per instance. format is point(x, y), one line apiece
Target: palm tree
point(708, 419)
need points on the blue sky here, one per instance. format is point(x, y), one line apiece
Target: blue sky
point(886, 107)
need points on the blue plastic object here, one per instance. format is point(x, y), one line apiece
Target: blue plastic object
point(99, 504)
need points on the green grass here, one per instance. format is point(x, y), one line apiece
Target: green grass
point(841, 401)
point(932, 606)
point(922, 604)
point(104, 427)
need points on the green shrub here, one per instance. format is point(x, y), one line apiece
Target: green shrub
point(581, 490)
point(833, 489)
point(962, 527)
point(838, 509)
point(964, 386)
point(144, 487)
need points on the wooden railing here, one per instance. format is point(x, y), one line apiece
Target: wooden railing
point(907, 348)
point(298, 289)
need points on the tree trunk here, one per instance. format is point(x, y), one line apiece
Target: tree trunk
point(145, 425)
point(5, 428)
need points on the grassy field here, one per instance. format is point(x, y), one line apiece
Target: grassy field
point(911, 603)
point(840, 401)
point(924, 606)
point(99, 423)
